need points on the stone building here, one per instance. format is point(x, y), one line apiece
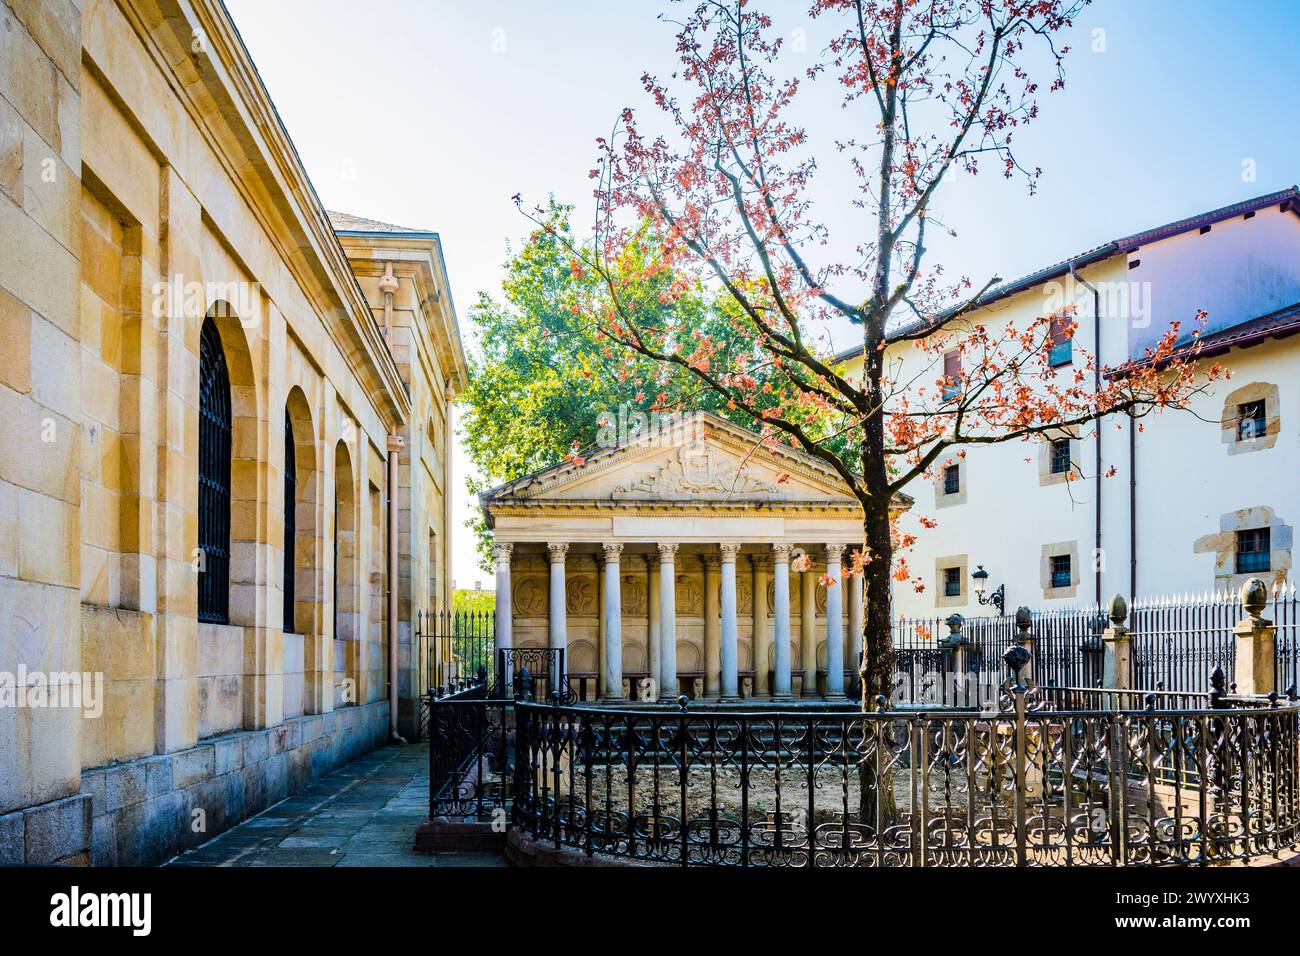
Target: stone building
point(225, 467)
point(1196, 501)
point(664, 563)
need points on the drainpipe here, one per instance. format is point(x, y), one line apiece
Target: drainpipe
point(1096, 388)
point(388, 286)
point(1132, 504)
point(395, 445)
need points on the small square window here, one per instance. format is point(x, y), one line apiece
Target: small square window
point(1060, 456)
point(952, 582)
point(1061, 571)
point(952, 480)
point(1253, 551)
point(1250, 420)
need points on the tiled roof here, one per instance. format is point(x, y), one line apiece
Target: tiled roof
point(346, 222)
point(1275, 325)
point(1288, 198)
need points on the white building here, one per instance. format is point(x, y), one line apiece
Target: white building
point(1197, 500)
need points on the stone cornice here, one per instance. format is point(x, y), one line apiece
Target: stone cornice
point(244, 132)
point(417, 256)
point(566, 507)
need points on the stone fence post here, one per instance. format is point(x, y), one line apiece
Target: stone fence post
point(1117, 669)
point(1025, 618)
point(955, 659)
point(1256, 637)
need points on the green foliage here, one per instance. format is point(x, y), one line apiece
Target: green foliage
point(465, 599)
point(544, 379)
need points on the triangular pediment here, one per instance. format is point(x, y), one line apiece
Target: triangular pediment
point(699, 458)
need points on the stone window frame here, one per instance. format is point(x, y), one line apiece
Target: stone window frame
point(1223, 545)
point(942, 498)
point(1231, 417)
point(1058, 549)
point(1048, 477)
point(941, 564)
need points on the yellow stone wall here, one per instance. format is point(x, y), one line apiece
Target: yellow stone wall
point(139, 162)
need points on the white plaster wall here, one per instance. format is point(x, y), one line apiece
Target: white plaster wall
point(1186, 478)
point(1239, 270)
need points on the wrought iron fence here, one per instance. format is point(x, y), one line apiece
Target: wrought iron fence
point(458, 648)
point(470, 754)
point(1029, 787)
point(1176, 642)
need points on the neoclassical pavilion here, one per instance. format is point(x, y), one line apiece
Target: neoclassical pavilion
point(662, 564)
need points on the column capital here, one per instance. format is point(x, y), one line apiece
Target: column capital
point(501, 551)
point(834, 553)
point(667, 551)
point(781, 552)
point(612, 550)
point(728, 551)
point(556, 552)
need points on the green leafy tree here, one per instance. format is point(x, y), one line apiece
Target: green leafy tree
point(547, 378)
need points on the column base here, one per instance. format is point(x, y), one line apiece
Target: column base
point(783, 697)
point(837, 696)
point(730, 699)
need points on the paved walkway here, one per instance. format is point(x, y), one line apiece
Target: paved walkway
point(363, 814)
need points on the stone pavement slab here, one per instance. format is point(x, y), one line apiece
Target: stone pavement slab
point(364, 814)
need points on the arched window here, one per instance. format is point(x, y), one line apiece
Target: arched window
point(290, 526)
point(214, 477)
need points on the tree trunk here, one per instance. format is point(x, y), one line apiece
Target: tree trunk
point(877, 667)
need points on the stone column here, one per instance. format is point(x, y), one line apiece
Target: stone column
point(598, 665)
point(652, 623)
point(1115, 642)
point(808, 630)
point(712, 626)
point(729, 679)
point(781, 621)
point(1256, 667)
point(504, 615)
point(761, 638)
point(667, 622)
point(559, 635)
point(613, 624)
point(854, 584)
point(834, 624)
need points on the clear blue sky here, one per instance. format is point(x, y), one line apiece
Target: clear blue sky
point(434, 114)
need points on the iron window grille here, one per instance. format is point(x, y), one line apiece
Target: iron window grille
point(1061, 576)
point(952, 582)
point(952, 480)
point(1060, 456)
point(1253, 547)
point(214, 478)
point(1250, 420)
point(290, 518)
